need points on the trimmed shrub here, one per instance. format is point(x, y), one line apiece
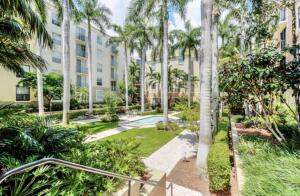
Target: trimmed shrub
point(110, 118)
point(219, 166)
point(171, 126)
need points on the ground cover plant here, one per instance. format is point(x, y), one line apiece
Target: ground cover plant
point(269, 169)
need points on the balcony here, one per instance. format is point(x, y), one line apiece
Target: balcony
point(114, 76)
point(81, 69)
point(114, 49)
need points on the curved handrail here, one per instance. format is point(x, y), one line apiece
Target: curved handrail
point(68, 164)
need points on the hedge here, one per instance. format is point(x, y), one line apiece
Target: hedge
point(218, 163)
point(96, 111)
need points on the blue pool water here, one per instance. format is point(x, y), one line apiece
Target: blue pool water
point(146, 121)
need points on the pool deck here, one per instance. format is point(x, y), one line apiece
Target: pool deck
point(124, 126)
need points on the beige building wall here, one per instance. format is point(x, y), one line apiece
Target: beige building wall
point(108, 61)
point(175, 62)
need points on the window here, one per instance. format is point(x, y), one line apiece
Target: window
point(113, 60)
point(55, 20)
point(22, 93)
point(99, 95)
point(99, 40)
point(299, 17)
point(56, 38)
point(99, 81)
point(56, 57)
point(283, 39)
point(81, 66)
point(180, 58)
point(99, 52)
point(25, 69)
point(113, 85)
point(81, 81)
point(283, 14)
point(113, 74)
point(99, 67)
point(80, 33)
point(80, 50)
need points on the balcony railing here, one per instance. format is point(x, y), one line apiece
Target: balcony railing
point(22, 97)
point(81, 69)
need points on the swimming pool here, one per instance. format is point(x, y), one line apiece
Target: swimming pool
point(146, 121)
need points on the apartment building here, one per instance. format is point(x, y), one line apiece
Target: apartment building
point(283, 35)
point(176, 61)
point(107, 67)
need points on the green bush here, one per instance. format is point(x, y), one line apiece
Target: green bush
point(110, 118)
point(219, 166)
point(171, 126)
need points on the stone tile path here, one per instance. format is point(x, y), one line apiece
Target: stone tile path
point(182, 191)
point(165, 158)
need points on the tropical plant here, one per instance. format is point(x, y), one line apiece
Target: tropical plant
point(66, 10)
point(142, 35)
point(161, 7)
point(19, 22)
point(52, 88)
point(205, 135)
point(93, 13)
point(125, 39)
point(111, 102)
point(187, 41)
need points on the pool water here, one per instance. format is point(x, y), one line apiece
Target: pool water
point(146, 121)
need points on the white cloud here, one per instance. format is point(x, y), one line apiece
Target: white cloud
point(120, 7)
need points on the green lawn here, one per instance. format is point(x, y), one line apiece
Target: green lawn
point(269, 169)
point(150, 138)
point(91, 128)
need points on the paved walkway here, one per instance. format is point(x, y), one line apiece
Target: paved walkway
point(182, 191)
point(165, 158)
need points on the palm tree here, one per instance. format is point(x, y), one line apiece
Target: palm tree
point(205, 135)
point(66, 8)
point(141, 37)
point(99, 15)
point(153, 78)
point(125, 39)
point(215, 62)
point(19, 21)
point(146, 7)
point(32, 16)
point(188, 40)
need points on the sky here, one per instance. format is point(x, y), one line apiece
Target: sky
point(119, 9)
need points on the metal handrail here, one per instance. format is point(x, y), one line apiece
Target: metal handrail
point(68, 164)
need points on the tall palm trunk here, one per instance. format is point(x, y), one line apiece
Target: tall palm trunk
point(126, 76)
point(243, 32)
point(165, 65)
point(205, 134)
point(215, 79)
point(40, 94)
point(90, 68)
point(66, 61)
point(143, 79)
point(190, 79)
point(161, 85)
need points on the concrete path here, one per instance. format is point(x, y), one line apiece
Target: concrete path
point(182, 191)
point(165, 158)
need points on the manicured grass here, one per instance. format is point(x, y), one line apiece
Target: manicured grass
point(150, 139)
point(153, 112)
point(95, 127)
point(269, 169)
